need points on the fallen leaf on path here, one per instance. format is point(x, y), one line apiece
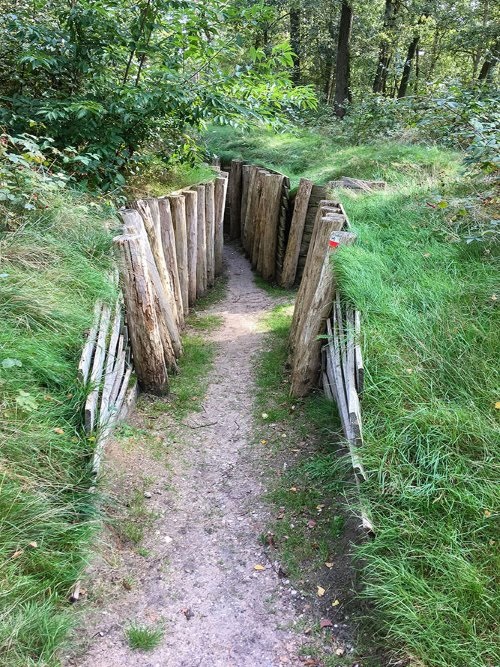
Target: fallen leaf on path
point(281, 513)
point(18, 553)
point(325, 623)
point(497, 405)
point(293, 489)
point(311, 523)
point(335, 603)
point(265, 415)
point(263, 442)
point(188, 613)
point(33, 544)
point(321, 591)
point(487, 513)
point(259, 568)
point(329, 565)
point(59, 431)
point(320, 508)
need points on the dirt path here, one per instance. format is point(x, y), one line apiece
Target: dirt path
point(200, 583)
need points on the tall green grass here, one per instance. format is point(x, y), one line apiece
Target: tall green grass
point(431, 328)
point(53, 268)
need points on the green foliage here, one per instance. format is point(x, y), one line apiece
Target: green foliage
point(103, 79)
point(55, 263)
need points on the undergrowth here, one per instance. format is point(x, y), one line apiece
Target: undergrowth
point(54, 266)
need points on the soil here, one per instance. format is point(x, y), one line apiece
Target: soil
point(195, 574)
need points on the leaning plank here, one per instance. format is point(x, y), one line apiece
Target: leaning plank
point(210, 231)
point(360, 370)
point(235, 199)
point(192, 241)
point(296, 232)
point(110, 363)
point(147, 346)
point(89, 347)
point(350, 377)
point(270, 202)
point(334, 372)
point(201, 257)
point(169, 251)
point(118, 371)
point(97, 370)
point(178, 209)
point(220, 203)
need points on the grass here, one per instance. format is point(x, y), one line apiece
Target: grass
point(431, 324)
point(309, 154)
point(153, 179)
point(429, 304)
point(271, 289)
point(143, 638)
point(54, 266)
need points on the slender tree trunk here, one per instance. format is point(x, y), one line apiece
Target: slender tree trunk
point(295, 17)
point(405, 78)
point(343, 69)
point(491, 60)
point(384, 54)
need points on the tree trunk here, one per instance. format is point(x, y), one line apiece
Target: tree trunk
point(490, 62)
point(412, 48)
point(295, 42)
point(342, 91)
point(384, 55)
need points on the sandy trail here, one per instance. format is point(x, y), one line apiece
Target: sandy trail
point(205, 542)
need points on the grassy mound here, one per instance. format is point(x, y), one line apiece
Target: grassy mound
point(431, 324)
point(54, 266)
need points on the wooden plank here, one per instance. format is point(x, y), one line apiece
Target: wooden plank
point(296, 233)
point(90, 411)
point(201, 257)
point(235, 199)
point(178, 209)
point(269, 210)
point(360, 370)
point(191, 199)
point(258, 216)
point(147, 345)
point(246, 172)
point(110, 363)
point(220, 193)
point(89, 347)
point(210, 231)
point(350, 377)
point(170, 253)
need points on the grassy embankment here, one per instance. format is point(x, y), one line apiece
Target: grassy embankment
point(54, 265)
point(429, 303)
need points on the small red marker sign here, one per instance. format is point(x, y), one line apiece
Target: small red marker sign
point(334, 242)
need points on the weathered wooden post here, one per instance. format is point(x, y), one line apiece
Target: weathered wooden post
point(322, 230)
point(235, 199)
point(191, 198)
point(270, 203)
point(169, 331)
point(201, 257)
point(247, 223)
point(246, 172)
point(169, 251)
point(210, 231)
point(296, 232)
point(306, 356)
point(178, 208)
point(221, 183)
point(149, 360)
point(258, 215)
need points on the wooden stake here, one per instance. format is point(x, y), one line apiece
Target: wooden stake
point(221, 184)
point(178, 209)
point(170, 253)
point(192, 241)
point(250, 210)
point(246, 171)
point(147, 347)
point(235, 199)
point(269, 214)
point(258, 215)
point(322, 231)
point(296, 232)
point(201, 258)
point(210, 231)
